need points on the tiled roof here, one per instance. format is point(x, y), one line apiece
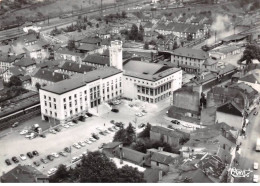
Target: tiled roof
point(9, 59)
point(25, 62)
point(88, 47)
point(25, 78)
point(161, 158)
point(132, 155)
point(91, 40)
point(148, 25)
point(81, 80)
point(166, 131)
point(66, 51)
point(16, 71)
point(210, 62)
point(230, 108)
point(197, 176)
point(50, 75)
point(22, 174)
point(191, 53)
point(111, 145)
point(97, 59)
point(252, 78)
point(75, 67)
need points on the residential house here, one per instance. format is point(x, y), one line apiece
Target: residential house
point(168, 136)
point(70, 68)
point(88, 48)
point(252, 79)
point(96, 60)
point(24, 174)
point(13, 71)
point(109, 149)
point(37, 50)
point(90, 40)
point(190, 60)
point(26, 64)
point(47, 77)
point(65, 54)
point(162, 160)
point(7, 61)
point(185, 103)
point(232, 114)
point(26, 81)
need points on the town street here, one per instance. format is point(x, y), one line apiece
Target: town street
point(248, 153)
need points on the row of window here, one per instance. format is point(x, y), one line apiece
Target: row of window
point(154, 92)
point(162, 81)
point(45, 97)
point(152, 100)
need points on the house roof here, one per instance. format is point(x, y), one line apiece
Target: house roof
point(210, 62)
point(230, 108)
point(66, 51)
point(196, 176)
point(111, 145)
point(166, 131)
point(88, 47)
point(162, 158)
point(148, 25)
point(22, 174)
point(75, 67)
point(147, 71)
point(25, 78)
point(16, 71)
point(252, 78)
point(97, 59)
point(151, 175)
point(91, 40)
point(9, 59)
point(132, 155)
point(81, 80)
point(191, 53)
point(49, 75)
point(25, 62)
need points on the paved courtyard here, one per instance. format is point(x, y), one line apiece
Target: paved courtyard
point(14, 144)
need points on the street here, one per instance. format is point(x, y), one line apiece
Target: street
point(248, 153)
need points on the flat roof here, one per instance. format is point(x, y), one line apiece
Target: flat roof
point(81, 80)
point(147, 71)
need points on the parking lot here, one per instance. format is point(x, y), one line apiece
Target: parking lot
point(14, 144)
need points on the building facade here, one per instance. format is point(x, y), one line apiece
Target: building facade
point(69, 99)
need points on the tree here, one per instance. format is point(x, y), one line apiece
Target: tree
point(140, 145)
point(123, 14)
point(15, 81)
point(119, 135)
point(189, 37)
point(61, 174)
point(251, 52)
point(152, 42)
point(175, 45)
point(133, 32)
point(96, 167)
point(146, 132)
point(97, 25)
point(38, 86)
point(160, 36)
point(71, 45)
point(146, 45)
point(129, 174)
point(130, 135)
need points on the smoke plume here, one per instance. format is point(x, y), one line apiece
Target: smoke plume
point(221, 27)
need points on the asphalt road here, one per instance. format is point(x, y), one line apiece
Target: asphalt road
point(248, 153)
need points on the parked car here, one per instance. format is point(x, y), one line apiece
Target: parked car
point(141, 125)
point(67, 149)
point(110, 129)
point(82, 143)
point(22, 157)
point(57, 129)
point(30, 155)
point(255, 113)
point(105, 131)
point(52, 131)
point(175, 122)
point(52, 171)
point(44, 160)
point(50, 157)
point(15, 124)
point(115, 128)
point(35, 153)
point(70, 123)
point(54, 154)
point(36, 163)
point(92, 139)
point(15, 160)
point(75, 121)
point(62, 154)
point(88, 142)
point(8, 162)
point(77, 146)
point(139, 114)
point(23, 132)
point(98, 128)
point(102, 145)
point(42, 135)
point(170, 127)
point(89, 115)
point(84, 153)
point(95, 136)
point(102, 133)
point(65, 125)
point(74, 159)
point(115, 110)
point(255, 178)
point(255, 166)
point(119, 124)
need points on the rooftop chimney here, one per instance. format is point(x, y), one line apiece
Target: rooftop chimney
point(53, 73)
